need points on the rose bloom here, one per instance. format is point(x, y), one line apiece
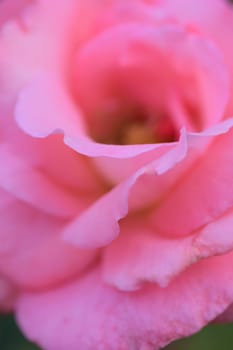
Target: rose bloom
point(116, 146)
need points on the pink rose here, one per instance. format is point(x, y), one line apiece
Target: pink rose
point(116, 179)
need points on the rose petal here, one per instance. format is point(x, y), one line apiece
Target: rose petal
point(212, 17)
point(138, 255)
point(133, 65)
point(43, 91)
point(37, 41)
point(88, 314)
point(152, 189)
point(207, 180)
point(226, 316)
point(47, 88)
point(19, 178)
point(32, 252)
point(50, 158)
point(91, 230)
point(8, 294)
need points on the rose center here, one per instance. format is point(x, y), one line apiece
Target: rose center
point(142, 85)
point(137, 133)
point(133, 127)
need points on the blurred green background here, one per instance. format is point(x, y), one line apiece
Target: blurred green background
point(215, 337)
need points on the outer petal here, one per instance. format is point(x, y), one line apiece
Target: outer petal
point(205, 189)
point(8, 294)
point(138, 255)
point(11, 9)
point(34, 187)
point(89, 230)
point(211, 80)
point(135, 59)
point(226, 316)
point(48, 167)
point(37, 41)
point(32, 253)
point(37, 123)
point(212, 17)
point(87, 314)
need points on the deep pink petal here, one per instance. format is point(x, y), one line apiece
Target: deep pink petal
point(8, 294)
point(12, 9)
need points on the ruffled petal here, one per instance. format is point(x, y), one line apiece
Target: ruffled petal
point(203, 194)
point(139, 256)
point(63, 118)
point(87, 314)
point(92, 230)
point(69, 119)
point(49, 167)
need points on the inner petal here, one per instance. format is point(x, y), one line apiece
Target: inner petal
point(142, 84)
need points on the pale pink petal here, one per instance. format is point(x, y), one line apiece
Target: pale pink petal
point(46, 91)
point(41, 35)
point(205, 15)
point(128, 60)
point(63, 118)
point(206, 191)
point(139, 255)
point(91, 230)
point(34, 187)
point(88, 314)
point(67, 117)
point(72, 172)
point(32, 252)
point(48, 166)
point(212, 17)
point(152, 191)
point(115, 170)
point(37, 41)
point(98, 224)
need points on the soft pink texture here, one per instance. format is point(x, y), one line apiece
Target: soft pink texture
point(147, 319)
point(112, 246)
